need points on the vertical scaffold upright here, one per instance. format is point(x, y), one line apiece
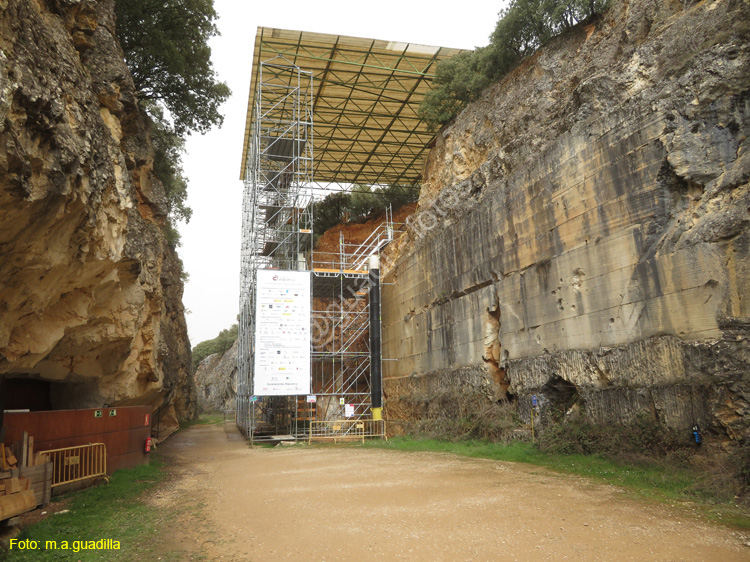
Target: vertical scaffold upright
point(276, 214)
point(369, 137)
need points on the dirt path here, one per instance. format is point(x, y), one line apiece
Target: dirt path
point(346, 503)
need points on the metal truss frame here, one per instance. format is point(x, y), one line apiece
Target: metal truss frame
point(366, 103)
point(276, 213)
point(364, 107)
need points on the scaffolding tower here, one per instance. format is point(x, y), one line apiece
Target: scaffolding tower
point(277, 235)
point(368, 132)
point(276, 213)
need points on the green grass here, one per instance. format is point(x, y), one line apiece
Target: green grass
point(111, 510)
point(204, 419)
point(656, 481)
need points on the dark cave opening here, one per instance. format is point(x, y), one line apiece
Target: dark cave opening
point(35, 395)
point(560, 394)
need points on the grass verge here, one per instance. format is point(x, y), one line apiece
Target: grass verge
point(116, 510)
point(111, 510)
point(205, 419)
point(649, 480)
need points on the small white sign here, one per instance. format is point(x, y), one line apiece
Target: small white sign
point(349, 410)
point(312, 399)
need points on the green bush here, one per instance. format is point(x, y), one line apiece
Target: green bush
point(362, 202)
point(219, 344)
point(523, 27)
point(640, 438)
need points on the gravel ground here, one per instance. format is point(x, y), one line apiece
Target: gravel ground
point(238, 503)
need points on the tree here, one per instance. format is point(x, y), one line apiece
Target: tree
point(166, 48)
point(361, 202)
point(220, 344)
point(168, 149)
point(522, 28)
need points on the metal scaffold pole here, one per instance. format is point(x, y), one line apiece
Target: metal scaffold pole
point(376, 376)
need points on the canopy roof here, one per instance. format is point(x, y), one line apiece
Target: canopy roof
point(365, 100)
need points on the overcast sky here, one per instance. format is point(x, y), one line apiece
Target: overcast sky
point(211, 242)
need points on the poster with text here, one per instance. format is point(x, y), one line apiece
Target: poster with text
point(282, 333)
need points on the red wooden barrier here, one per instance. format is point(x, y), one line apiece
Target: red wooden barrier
point(122, 429)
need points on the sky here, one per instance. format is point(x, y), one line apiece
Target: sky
point(210, 248)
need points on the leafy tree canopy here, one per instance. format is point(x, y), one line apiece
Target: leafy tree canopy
point(168, 150)
point(219, 344)
point(361, 202)
point(166, 48)
point(523, 27)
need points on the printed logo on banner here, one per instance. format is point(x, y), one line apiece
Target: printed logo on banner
point(282, 363)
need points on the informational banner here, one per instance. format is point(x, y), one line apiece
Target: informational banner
point(282, 333)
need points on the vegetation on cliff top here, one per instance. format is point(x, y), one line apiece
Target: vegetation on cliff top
point(219, 344)
point(523, 27)
point(360, 203)
point(166, 48)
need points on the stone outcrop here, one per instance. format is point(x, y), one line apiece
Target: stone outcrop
point(583, 233)
point(90, 289)
point(216, 381)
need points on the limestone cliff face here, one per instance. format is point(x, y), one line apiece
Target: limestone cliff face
point(584, 230)
point(216, 381)
point(90, 290)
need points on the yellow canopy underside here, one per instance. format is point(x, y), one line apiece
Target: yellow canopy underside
point(366, 94)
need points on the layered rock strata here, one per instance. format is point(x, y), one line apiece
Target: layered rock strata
point(90, 289)
point(583, 234)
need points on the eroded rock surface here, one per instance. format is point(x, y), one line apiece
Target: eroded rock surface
point(216, 381)
point(584, 229)
point(90, 290)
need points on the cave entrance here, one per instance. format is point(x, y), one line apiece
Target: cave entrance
point(560, 394)
point(35, 395)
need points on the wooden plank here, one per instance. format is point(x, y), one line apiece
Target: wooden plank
point(15, 504)
point(39, 490)
point(30, 454)
point(14, 485)
point(36, 475)
point(24, 448)
point(41, 459)
point(47, 483)
point(32, 470)
point(3, 462)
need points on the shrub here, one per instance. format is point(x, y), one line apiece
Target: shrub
point(522, 28)
point(219, 344)
point(360, 203)
point(638, 439)
point(457, 415)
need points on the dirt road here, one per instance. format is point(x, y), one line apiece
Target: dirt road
point(347, 503)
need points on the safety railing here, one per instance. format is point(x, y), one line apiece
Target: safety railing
point(347, 430)
point(72, 464)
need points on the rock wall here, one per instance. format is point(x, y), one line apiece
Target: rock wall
point(216, 381)
point(90, 290)
point(583, 231)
